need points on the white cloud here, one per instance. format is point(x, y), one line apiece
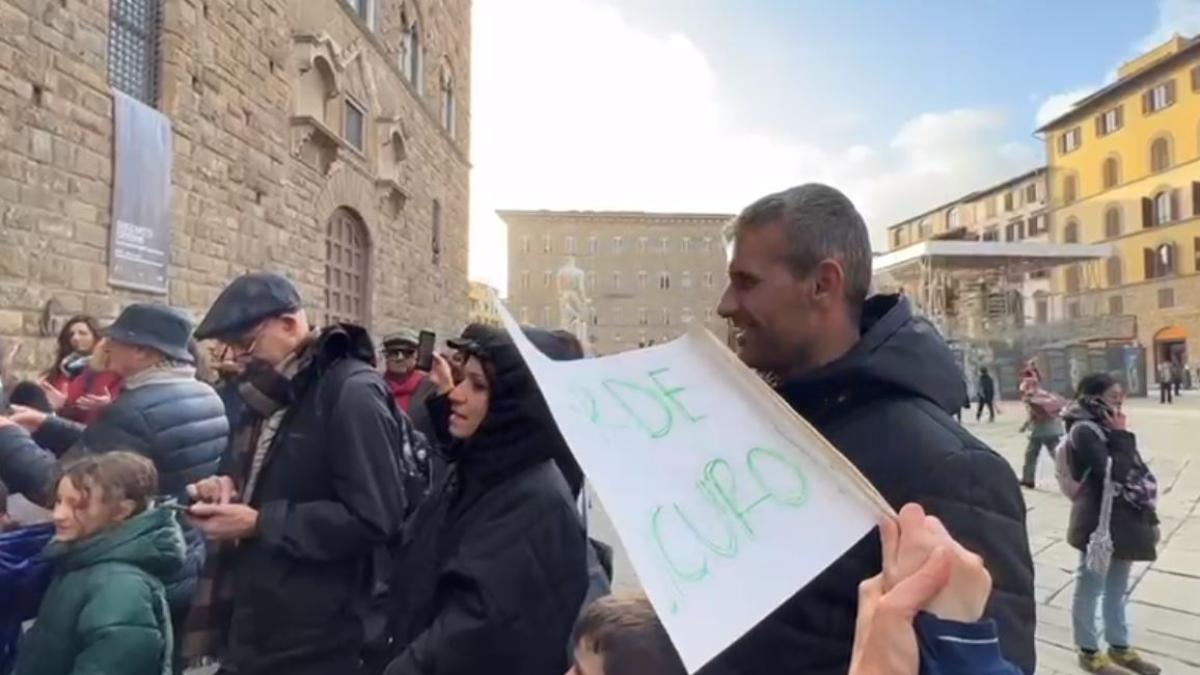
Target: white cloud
point(575, 108)
point(1058, 104)
point(1175, 17)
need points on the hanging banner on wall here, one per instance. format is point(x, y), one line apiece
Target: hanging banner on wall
point(139, 251)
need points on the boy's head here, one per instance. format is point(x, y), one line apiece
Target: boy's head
point(98, 491)
point(621, 635)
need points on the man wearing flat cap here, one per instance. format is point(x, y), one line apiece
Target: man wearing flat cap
point(410, 387)
point(310, 490)
point(163, 412)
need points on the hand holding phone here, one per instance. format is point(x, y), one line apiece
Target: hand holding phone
point(425, 345)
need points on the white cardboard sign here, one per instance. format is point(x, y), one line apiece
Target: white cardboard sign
point(726, 500)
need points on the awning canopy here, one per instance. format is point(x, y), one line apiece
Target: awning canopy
point(983, 256)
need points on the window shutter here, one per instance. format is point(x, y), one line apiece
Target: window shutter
point(1100, 124)
point(1196, 199)
point(1148, 261)
point(1196, 252)
point(1146, 102)
point(1176, 214)
point(1147, 212)
point(1120, 116)
point(1170, 92)
point(1196, 78)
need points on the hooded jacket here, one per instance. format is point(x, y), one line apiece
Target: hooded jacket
point(106, 609)
point(493, 569)
point(1134, 531)
point(330, 497)
point(886, 405)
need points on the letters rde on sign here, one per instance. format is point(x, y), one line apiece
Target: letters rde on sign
point(726, 501)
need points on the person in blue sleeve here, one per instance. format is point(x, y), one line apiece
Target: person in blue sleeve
point(923, 613)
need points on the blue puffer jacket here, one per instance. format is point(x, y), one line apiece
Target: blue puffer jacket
point(176, 421)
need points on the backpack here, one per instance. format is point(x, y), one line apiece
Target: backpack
point(1140, 487)
point(1049, 403)
point(1067, 484)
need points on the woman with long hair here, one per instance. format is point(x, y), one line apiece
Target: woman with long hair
point(76, 387)
point(493, 570)
point(1101, 450)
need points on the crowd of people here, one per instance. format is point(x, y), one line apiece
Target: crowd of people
point(287, 501)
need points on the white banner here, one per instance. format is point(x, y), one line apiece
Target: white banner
point(726, 500)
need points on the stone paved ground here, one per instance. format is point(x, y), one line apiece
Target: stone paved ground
point(1165, 596)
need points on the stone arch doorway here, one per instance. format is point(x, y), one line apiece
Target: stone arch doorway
point(347, 268)
point(1170, 346)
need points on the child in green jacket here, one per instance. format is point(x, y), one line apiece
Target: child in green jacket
point(106, 610)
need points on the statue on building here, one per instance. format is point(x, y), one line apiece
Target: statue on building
point(573, 303)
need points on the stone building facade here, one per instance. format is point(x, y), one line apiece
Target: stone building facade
point(324, 139)
point(483, 309)
point(649, 276)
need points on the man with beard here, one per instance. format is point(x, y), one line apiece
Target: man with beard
point(881, 385)
point(310, 491)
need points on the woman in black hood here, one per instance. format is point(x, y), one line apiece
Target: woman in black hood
point(492, 572)
point(1097, 439)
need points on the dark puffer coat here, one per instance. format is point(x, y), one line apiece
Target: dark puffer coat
point(174, 420)
point(493, 572)
point(887, 405)
point(1134, 531)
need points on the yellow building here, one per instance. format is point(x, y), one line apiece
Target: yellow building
point(1124, 168)
point(483, 310)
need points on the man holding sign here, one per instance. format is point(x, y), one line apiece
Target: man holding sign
point(881, 385)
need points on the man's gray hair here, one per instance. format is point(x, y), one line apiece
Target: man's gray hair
point(820, 223)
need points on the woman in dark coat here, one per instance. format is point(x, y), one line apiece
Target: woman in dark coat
point(493, 571)
point(1097, 433)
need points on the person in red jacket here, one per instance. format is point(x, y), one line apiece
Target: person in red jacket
point(77, 387)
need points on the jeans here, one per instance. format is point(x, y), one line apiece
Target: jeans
point(1029, 472)
point(991, 407)
point(1089, 586)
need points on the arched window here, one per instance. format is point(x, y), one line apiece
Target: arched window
point(1112, 222)
point(952, 219)
point(1160, 154)
point(1112, 173)
point(1071, 232)
point(411, 51)
point(347, 267)
point(435, 232)
point(1069, 191)
point(925, 229)
point(1163, 211)
point(664, 281)
point(1160, 261)
point(398, 152)
point(1113, 272)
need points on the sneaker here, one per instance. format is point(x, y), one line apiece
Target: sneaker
point(1132, 660)
point(1098, 662)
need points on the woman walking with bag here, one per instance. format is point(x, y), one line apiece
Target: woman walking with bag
point(1113, 522)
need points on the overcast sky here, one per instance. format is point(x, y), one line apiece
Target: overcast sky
point(704, 105)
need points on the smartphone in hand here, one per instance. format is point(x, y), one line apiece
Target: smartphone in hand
point(425, 345)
